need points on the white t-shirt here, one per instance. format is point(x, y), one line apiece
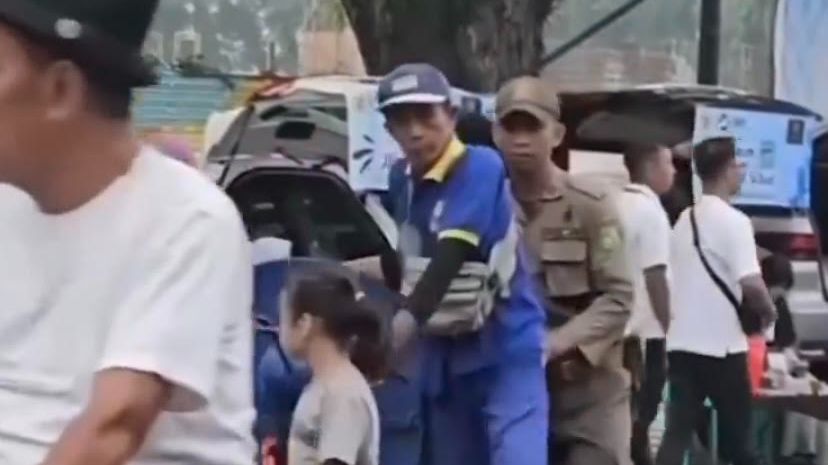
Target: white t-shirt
point(18, 222)
point(704, 321)
point(155, 275)
point(647, 231)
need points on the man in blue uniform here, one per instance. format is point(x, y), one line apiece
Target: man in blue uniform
point(485, 399)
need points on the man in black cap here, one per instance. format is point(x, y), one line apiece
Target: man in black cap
point(125, 334)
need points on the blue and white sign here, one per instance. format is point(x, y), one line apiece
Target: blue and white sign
point(775, 148)
point(372, 150)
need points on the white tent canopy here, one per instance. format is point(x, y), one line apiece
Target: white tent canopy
point(801, 64)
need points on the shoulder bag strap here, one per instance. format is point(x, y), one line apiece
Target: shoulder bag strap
point(716, 279)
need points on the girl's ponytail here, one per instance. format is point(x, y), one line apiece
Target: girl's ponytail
point(348, 316)
point(368, 349)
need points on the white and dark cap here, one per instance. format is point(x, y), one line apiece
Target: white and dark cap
point(414, 84)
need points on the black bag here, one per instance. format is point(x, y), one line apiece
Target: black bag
point(750, 319)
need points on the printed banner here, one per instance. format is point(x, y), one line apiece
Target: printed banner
point(372, 150)
point(775, 148)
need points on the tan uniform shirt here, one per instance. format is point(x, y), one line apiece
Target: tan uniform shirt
point(578, 240)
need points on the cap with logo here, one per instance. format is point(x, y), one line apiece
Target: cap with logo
point(414, 84)
point(106, 35)
point(530, 95)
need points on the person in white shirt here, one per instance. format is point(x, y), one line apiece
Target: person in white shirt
point(129, 338)
point(706, 344)
point(648, 244)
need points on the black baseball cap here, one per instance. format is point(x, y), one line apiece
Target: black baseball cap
point(417, 83)
point(106, 35)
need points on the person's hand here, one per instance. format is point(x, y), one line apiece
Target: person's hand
point(552, 348)
point(404, 330)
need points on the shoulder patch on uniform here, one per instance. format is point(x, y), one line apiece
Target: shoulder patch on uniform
point(609, 241)
point(590, 186)
point(610, 238)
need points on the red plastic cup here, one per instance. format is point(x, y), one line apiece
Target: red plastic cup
point(757, 361)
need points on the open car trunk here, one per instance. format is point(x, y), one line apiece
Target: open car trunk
point(674, 116)
point(316, 212)
point(313, 209)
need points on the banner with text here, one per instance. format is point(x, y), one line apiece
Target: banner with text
point(775, 148)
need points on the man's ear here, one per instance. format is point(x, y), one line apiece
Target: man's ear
point(65, 90)
point(558, 134)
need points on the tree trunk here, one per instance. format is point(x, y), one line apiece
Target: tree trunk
point(477, 43)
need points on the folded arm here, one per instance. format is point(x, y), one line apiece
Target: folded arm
point(110, 431)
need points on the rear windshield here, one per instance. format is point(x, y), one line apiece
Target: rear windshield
point(318, 214)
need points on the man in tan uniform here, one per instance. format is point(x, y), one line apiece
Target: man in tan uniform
point(572, 228)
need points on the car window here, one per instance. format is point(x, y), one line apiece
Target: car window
point(316, 212)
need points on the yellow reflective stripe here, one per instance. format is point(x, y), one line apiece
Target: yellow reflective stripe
point(461, 235)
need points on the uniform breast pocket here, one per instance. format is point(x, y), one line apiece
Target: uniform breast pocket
point(565, 268)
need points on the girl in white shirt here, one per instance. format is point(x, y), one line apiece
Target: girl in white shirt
point(325, 321)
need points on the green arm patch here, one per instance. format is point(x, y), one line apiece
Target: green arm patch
point(609, 241)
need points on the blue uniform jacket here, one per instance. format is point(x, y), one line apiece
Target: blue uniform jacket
point(465, 196)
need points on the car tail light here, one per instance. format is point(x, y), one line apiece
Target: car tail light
point(803, 246)
point(794, 246)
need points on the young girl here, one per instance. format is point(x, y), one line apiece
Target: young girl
point(324, 320)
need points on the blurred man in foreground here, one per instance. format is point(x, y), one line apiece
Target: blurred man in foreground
point(132, 341)
point(572, 227)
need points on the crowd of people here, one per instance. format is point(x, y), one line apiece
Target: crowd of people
point(545, 312)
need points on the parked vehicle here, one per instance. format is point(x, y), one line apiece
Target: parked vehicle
point(777, 139)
